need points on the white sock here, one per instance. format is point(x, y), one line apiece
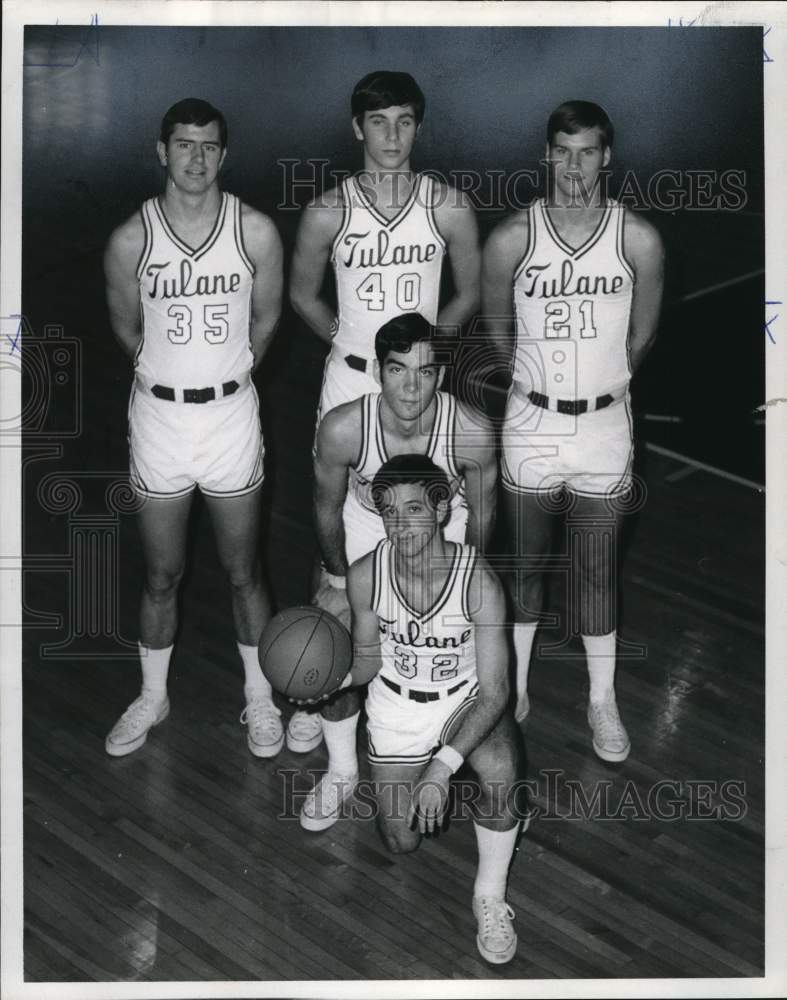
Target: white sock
point(600, 651)
point(524, 634)
point(256, 684)
point(155, 668)
point(340, 741)
point(495, 850)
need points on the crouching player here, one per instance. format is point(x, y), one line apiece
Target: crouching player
point(428, 632)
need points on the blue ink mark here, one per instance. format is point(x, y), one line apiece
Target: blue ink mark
point(766, 57)
point(86, 43)
point(772, 302)
point(681, 23)
point(14, 343)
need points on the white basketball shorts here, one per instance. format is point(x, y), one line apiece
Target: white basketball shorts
point(402, 731)
point(342, 384)
point(590, 454)
point(175, 447)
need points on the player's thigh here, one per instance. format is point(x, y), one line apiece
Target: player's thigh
point(530, 518)
point(163, 528)
point(394, 785)
point(229, 461)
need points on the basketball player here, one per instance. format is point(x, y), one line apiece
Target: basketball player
point(427, 632)
point(586, 276)
point(386, 232)
point(408, 415)
point(194, 284)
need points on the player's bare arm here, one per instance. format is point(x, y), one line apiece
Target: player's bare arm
point(122, 288)
point(476, 458)
point(367, 658)
point(486, 598)
point(456, 221)
point(319, 225)
point(645, 252)
point(264, 248)
point(338, 443)
point(503, 251)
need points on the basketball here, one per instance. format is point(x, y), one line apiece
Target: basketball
point(305, 652)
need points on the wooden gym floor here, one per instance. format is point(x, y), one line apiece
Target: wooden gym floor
point(185, 860)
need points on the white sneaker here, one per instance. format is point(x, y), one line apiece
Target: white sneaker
point(610, 739)
point(323, 804)
point(496, 938)
point(265, 734)
point(131, 730)
point(304, 731)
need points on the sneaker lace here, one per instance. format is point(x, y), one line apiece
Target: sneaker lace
point(261, 713)
point(136, 711)
point(496, 915)
point(329, 789)
point(610, 728)
point(303, 724)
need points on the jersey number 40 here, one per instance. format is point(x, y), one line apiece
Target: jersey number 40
point(408, 292)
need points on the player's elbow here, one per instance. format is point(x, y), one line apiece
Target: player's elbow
point(300, 300)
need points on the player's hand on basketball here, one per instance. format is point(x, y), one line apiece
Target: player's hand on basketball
point(430, 798)
point(347, 682)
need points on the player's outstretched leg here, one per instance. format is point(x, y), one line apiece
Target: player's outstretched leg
point(322, 806)
point(162, 526)
point(496, 763)
point(599, 525)
point(236, 525)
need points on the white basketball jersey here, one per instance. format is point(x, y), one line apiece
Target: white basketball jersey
point(196, 302)
point(384, 267)
point(363, 526)
point(433, 650)
point(572, 309)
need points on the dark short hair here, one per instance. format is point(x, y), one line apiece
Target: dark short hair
point(402, 470)
point(574, 116)
point(192, 111)
point(400, 333)
point(386, 89)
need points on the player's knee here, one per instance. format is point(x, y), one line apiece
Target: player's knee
point(162, 582)
point(497, 765)
point(342, 706)
point(243, 578)
point(399, 839)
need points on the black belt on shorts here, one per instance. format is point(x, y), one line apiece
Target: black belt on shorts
point(573, 407)
point(194, 395)
point(420, 695)
point(359, 364)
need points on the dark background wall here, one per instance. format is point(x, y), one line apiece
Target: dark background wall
point(681, 99)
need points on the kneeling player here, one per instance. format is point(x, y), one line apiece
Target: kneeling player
point(428, 628)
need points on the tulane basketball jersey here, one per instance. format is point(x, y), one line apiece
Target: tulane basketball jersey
point(431, 650)
point(363, 526)
point(196, 302)
point(572, 309)
point(384, 267)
